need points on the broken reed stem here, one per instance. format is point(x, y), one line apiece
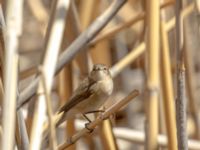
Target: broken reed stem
point(11, 31)
point(116, 29)
point(114, 108)
point(153, 22)
point(53, 139)
point(181, 106)
point(168, 95)
point(75, 47)
point(54, 33)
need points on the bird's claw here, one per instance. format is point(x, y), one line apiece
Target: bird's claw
point(89, 129)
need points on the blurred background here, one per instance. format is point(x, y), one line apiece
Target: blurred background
point(127, 45)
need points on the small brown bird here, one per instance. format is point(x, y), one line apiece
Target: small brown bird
point(91, 94)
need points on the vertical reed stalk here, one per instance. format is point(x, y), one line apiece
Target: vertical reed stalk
point(168, 95)
point(153, 18)
point(107, 136)
point(181, 106)
point(12, 32)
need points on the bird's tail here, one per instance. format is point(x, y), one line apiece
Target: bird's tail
point(58, 119)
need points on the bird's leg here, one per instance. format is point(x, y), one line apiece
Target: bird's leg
point(86, 125)
point(84, 116)
point(112, 116)
point(95, 111)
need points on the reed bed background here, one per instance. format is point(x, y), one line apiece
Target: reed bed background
point(47, 47)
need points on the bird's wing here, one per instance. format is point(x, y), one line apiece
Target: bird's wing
point(81, 93)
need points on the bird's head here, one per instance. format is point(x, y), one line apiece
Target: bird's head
point(100, 72)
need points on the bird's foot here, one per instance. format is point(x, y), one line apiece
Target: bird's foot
point(89, 129)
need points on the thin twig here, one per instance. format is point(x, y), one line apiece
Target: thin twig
point(75, 47)
point(114, 108)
